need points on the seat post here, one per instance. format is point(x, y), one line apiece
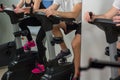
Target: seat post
point(51, 48)
point(113, 53)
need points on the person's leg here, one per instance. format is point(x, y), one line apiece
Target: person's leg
point(41, 58)
point(23, 25)
point(41, 48)
point(76, 45)
point(57, 33)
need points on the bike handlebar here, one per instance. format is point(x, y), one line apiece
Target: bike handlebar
point(56, 17)
point(15, 18)
point(99, 64)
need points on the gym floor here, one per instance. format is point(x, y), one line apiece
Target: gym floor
point(2, 71)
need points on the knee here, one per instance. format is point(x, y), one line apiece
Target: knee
point(55, 30)
point(75, 44)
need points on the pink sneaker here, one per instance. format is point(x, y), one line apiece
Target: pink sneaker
point(39, 69)
point(28, 45)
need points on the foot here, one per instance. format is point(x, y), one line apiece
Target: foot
point(63, 54)
point(39, 69)
point(28, 45)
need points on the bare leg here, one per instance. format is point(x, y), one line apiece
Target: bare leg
point(57, 33)
point(76, 45)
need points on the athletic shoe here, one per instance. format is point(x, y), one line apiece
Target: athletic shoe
point(39, 69)
point(63, 54)
point(28, 45)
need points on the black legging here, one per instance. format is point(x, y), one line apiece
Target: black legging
point(41, 49)
point(31, 21)
point(46, 25)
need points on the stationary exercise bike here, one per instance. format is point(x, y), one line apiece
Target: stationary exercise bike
point(22, 63)
point(55, 70)
point(112, 32)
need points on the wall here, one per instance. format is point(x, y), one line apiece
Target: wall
point(5, 25)
point(93, 40)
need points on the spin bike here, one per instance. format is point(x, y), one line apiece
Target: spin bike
point(55, 69)
point(112, 33)
point(19, 68)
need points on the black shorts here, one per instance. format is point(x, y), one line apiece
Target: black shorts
point(73, 26)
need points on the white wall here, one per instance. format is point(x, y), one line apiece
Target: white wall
point(93, 40)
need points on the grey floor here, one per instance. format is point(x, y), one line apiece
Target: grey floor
point(2, 70)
